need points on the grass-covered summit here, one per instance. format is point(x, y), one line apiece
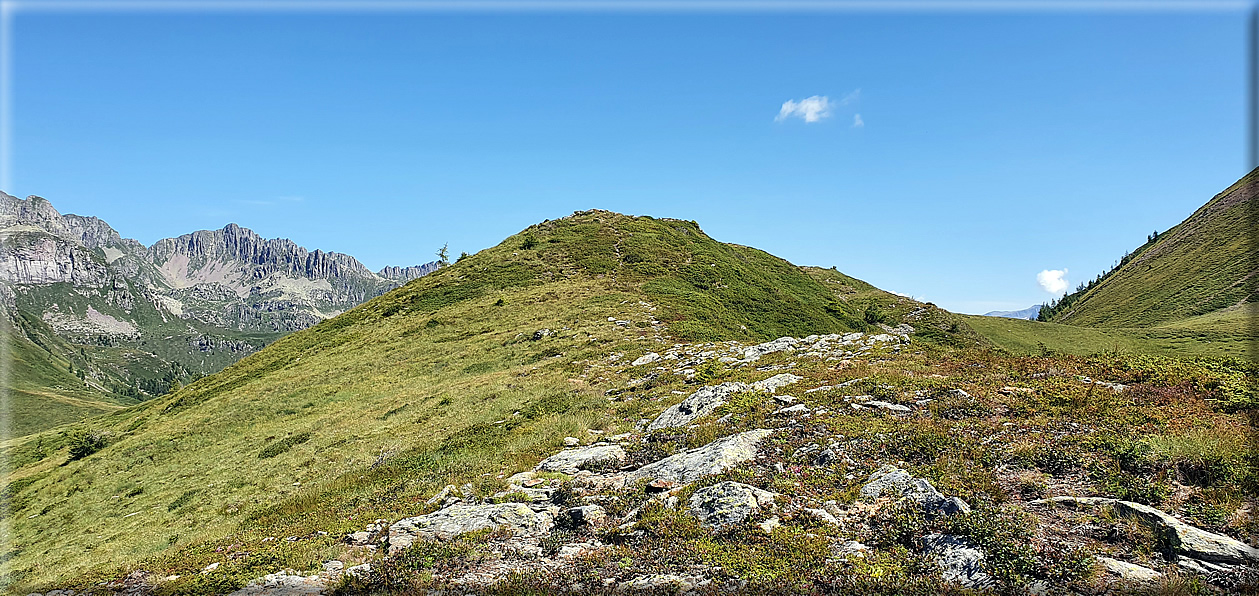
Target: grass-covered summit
point(708, 290)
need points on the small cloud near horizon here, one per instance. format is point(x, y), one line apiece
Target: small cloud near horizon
point(857, 122)
point(1053, 281)
point(809, 109)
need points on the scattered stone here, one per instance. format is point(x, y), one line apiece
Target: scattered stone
point(541, 333)
point(662, 584)
point(587, 515)
point(891, 481)
point(703, 402)
point(646, 359)
point(822, 515)
point(713, 458)
point(571, 441)
point(284, 583)
point(888, 406)
point(569, 461)
point(792, 410)
point(960, 561)
point(441, 495)
point(659, 485)
point(210, 568)
point(333, 566)
point(728, 503)
point(359, 570)
point(768, 526)
point(460, 519)
point(776, 382)
point(782, 344)
point(785, 400)
point(1127, 573)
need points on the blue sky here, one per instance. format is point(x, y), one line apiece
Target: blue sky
point(992, 146)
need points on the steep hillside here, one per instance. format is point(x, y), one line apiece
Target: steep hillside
point(1207, 263)
point(133, 320)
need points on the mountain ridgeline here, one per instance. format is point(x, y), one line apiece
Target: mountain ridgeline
point(123, 322)
point(471, 371)
point(1206, 265)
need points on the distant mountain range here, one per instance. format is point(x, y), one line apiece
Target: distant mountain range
point(128, 320)
point(1027, 313)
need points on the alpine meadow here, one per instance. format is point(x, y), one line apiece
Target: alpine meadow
point(610, 400)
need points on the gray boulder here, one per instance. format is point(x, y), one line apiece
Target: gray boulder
point(699, 404)
point(284, 583)
point(713, 458)
point(728, 503)
point(891, 481)
point(960, 562)
point(459, 519)
point(570, 461)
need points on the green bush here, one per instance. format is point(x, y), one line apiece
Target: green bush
point(283, 445)
point(84, 442)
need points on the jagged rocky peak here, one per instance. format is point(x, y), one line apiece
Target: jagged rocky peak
point(405, 274)
point(276, 255)
point(38, 212)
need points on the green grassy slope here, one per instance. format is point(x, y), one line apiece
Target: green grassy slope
point(1223, 333)
point(41, 392)
point(441, 380)
point(1206, 263)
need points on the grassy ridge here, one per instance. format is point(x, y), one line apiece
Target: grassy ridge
point(445, 379)
point(1206, 263)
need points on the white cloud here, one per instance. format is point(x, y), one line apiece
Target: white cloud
point(850, 98)
point(810, 109)
point(857, 122)
point(1053, 281)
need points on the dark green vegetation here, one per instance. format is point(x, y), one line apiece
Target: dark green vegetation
point(479, 370)
point(1207, 263)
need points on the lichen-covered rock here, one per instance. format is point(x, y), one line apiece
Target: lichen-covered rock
point(1116, 571)
point(587, 515)
point(570, 461)
point(776, 382)
point(459, 519)
point(283, 584)
point(699, 404)
point(713, 458)
point(891, 481)
point(782, 344)
point(646, 359)
point(662, 584)
point(1186, 540)
point(728, 503)
point(960, 562)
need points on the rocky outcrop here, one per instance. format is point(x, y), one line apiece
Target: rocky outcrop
point(460, 518)
point(713, 458)
point(570, 461)
point(960, 561)
point(728, 503)
point(1129, 574)
point(699, 404)
point(1184, 539)
point(891, 481)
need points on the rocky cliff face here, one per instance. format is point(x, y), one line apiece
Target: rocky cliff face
point(201, 300)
